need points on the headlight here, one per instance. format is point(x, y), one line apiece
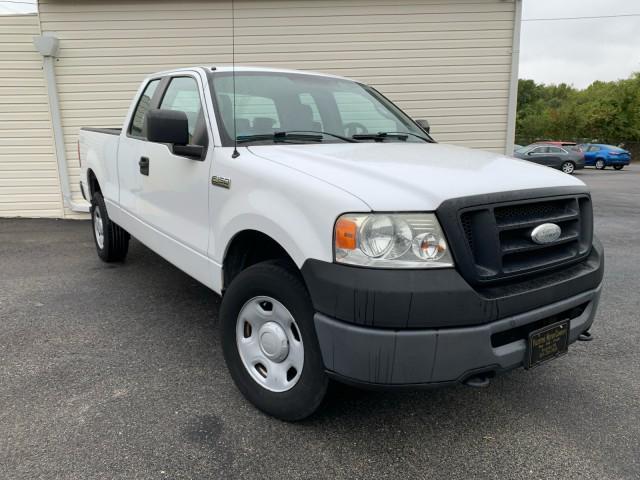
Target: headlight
point(399, 240)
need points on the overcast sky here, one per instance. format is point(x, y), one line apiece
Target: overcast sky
point(555, 51)
point(579, 51)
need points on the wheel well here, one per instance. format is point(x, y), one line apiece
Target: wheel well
point(248, 248)
point(94, 186)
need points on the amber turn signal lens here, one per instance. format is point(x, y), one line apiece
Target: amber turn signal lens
point(346, 234)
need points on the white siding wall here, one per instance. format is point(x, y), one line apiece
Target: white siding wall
point(29, 184)
point(444, 60)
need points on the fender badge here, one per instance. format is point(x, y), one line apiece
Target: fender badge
point(221, 182)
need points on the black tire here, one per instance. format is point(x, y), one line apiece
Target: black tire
point(618, 167)
point(115, 240)
point(280, 282)
point(568, 167)
point(600, 165)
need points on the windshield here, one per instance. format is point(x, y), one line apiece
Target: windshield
point(336, 110)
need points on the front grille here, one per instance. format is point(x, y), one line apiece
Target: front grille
point(498, 236)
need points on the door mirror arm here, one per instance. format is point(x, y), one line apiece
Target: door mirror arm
point(194, 152)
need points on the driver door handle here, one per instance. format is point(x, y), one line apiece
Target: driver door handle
point(144, 166)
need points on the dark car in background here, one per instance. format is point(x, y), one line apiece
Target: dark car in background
point(601, 156)
point(568, 158)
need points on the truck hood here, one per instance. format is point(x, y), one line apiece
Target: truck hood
point(412, 176)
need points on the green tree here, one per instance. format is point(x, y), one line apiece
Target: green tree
point(604, 111)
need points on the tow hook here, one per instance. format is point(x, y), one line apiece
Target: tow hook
point(585, 336)
point(478, 381)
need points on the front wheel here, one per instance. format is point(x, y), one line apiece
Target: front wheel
point(269, 341)
point(618, 167)
point(568, 167)
point(600, 164)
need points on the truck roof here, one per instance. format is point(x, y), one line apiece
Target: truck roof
point(247, 68)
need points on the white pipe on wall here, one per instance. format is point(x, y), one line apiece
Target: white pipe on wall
point(47, 46)
point(513, 83)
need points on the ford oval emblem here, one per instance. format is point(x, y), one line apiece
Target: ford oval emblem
point(546, 233)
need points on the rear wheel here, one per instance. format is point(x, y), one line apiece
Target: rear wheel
point(618, 167)
point(112, 242)
point(568, 167)
point(600, 164)
point(269, 341)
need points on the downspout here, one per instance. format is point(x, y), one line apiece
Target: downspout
point(47, 46)
point(513, 83)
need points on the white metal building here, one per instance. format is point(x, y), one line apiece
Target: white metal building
point(453, 62)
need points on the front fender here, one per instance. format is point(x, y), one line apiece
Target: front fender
point(281, 219)
point(294, 209)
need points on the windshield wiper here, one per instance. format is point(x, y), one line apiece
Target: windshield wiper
point(381, 136)
point(279, 137)
point(335, 135)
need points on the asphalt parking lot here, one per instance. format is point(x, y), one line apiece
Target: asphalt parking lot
point(116, 372)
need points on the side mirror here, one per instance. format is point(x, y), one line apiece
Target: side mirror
point(167, 126)
point(424, 125)
point(172, 126)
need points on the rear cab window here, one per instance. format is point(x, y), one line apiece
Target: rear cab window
point(356, 110)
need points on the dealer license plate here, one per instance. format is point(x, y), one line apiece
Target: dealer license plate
point(548, 343)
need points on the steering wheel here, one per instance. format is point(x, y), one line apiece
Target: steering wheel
point(355, 128)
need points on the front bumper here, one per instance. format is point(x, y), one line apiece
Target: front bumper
point(378, 357)
point(611, 161)
point(419, 327)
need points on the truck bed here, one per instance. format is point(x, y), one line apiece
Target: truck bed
point(108, 131)
point(99, 147)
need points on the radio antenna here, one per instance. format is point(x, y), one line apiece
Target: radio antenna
point(235, 153)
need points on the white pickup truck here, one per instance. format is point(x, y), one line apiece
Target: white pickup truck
point(347, 244)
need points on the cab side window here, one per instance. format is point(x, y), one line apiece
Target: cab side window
point(137, 123)
point(183, 95)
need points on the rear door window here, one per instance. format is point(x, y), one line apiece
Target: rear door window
point(136, 128)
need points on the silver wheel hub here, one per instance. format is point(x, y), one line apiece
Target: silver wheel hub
point(273, 342)
point(269, 344)
point(567, 168)
point(98, 227)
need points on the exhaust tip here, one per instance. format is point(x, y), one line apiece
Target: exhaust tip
point(585, 336)
point(478, 381)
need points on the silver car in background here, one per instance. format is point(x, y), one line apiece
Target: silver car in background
point(567, 159)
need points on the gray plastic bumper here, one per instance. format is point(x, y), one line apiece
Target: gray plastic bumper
point(384, 357)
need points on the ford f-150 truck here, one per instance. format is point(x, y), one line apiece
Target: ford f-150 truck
point(346, 243)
